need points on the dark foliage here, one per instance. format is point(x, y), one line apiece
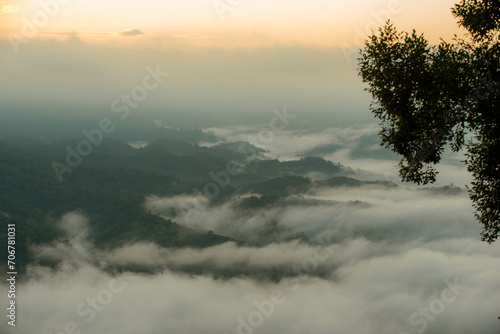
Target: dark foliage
point(430, 96)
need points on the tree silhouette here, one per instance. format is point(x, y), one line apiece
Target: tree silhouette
point(430, 96)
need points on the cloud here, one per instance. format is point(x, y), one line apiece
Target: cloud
point(408, 262)
point(74, 224)
point(339, 213)
point(371, 287)
point(75, 248)
point(274, 261)
point(130, 32)
point(293, 142)
point(355, 146)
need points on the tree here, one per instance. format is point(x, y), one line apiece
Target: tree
point(430, 96)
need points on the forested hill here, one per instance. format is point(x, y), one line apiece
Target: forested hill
point(110, 186)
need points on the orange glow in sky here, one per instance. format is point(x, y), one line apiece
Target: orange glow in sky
point(223, 23)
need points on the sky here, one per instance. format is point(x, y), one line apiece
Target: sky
point(83, 54)
point(224, 23)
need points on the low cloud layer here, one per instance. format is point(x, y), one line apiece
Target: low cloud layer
point(373, 212)
point(356, 146)
point(409, 261)
point(444, 286)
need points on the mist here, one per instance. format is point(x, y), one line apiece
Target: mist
point(379, 257)
point(444, 285)
point(58, 82)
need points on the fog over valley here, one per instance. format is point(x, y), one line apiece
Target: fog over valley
point(235, 167)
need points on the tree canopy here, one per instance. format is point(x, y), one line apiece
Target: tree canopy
point(431, 96)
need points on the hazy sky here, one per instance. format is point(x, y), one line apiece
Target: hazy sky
point(246, 23)
point(261, 54)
